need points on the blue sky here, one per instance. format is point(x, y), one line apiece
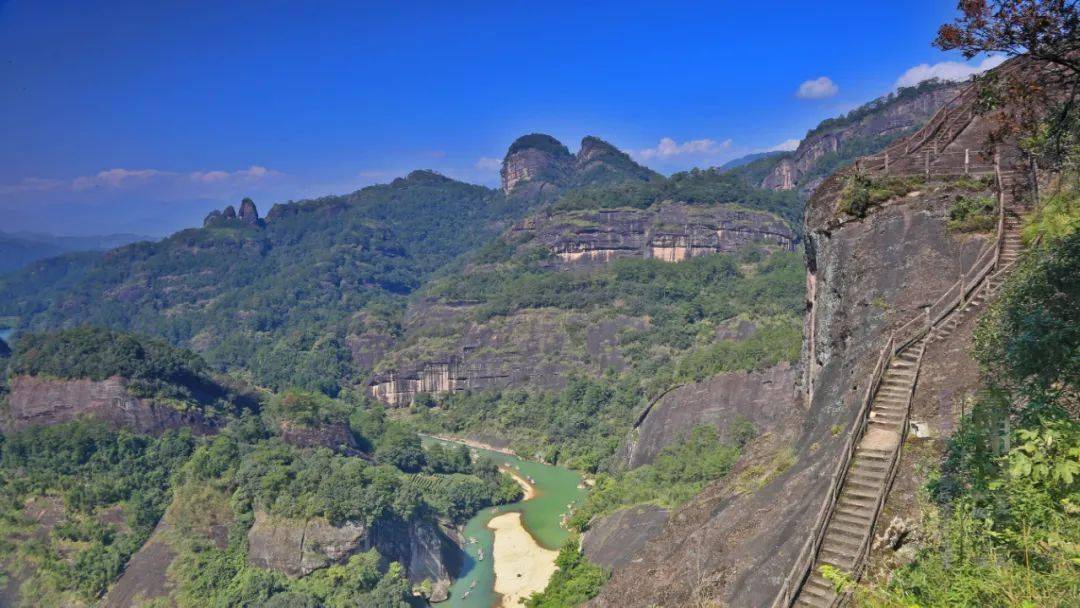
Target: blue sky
point(142, 116)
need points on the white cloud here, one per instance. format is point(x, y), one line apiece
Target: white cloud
point(116, 178)
point(668, 148)
point(119, 178)
point(787, 145)
point(947, 70)
point(486, 163)
point(818, 88)
point(254, 172)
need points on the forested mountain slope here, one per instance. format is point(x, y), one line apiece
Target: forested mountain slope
point(284, 299)
point(21, 248)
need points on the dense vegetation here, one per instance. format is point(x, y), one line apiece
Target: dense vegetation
point(109, 489)
point(244, 470)
point(152, 367)
point(80, 473)
point(279, 300)
point(686, 305)
point(677, 474)
point(575, 582)
point(697, 186)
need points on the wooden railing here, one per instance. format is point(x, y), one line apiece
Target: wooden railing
point(899, 339)
point(804, 564)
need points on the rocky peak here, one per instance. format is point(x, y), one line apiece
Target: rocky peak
point(600, 162)
point(539, 165)
point(248, 213)
point(537, 162)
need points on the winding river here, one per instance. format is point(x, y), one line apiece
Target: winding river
point(519, 554)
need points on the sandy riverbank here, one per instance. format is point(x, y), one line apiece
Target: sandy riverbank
point(530, 491)
point(471, 443)
point(522, 567)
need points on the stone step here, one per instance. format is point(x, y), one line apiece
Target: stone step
point(843, 546)
point(896, 382)
point(873, 453)
point(852, 518)
point(858, 493)
point(817, 597)
point(838, 559)
point(885, 425)
point(889, 405)
point(870, 467)
point(820, 586)
point(812, 601)
point(858, 503)
point(893, 390)
point(871, 486)
point(854, 530)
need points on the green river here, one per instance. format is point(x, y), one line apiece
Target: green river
point(542, 515)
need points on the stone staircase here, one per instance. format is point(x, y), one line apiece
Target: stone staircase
point(1008, 252)
point(866, 482)
point(843, 539)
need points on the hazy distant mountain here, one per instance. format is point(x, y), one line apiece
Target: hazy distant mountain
point(749, 158)
point(17, 249)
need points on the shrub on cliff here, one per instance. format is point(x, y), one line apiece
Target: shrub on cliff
point(862, 192)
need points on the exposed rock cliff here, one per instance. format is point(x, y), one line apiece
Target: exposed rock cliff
point(297, 547)
point(879, 120)
point(333, 435)
point(538, 166)
point(866, 277)
point(529, 348)
point(248, 213)
point(765, 399)
point(671, 232)
point(39, 401)
point(614, 540)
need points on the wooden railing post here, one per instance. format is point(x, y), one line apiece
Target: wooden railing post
point(967, 160)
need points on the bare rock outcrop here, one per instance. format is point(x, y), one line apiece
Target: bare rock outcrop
point(765, 399)
point(248, 213)
point(297, 548)
point(40, 401)
point(614, 540)
point(538, 167)
point(336, 436)
point(672, 232)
